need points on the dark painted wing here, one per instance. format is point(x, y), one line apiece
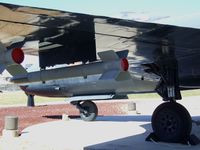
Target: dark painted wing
point(65, 37)
point(60, 37)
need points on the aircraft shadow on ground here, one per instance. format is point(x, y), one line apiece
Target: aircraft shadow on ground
point(141, 118)
point(59, 117)
point(196, 120)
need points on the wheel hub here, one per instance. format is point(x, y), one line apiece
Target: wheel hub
point(168, 124)
point(86, 111)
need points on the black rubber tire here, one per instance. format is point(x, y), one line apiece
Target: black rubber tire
point(171, 122)
point(91, 111)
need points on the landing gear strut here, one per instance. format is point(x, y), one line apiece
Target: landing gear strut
point(30, 102)
point(88, 110)
point(171, 122)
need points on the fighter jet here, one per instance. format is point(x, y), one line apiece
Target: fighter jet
point(103, 58)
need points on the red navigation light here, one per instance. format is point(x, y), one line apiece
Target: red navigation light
point(124, 64)
point(17, 55)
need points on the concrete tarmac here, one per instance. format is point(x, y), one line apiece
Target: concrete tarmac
point(125, 132)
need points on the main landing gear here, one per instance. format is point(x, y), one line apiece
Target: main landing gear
point(171, 122)
point(88, 110)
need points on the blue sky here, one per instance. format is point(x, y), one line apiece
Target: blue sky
point(112, 7)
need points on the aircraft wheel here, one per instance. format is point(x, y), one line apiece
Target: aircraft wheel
point(89, 111)
point(171, 122)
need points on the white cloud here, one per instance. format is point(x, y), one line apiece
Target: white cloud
point(141, 16)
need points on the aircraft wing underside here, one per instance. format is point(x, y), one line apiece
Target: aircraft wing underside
point(60, 37)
